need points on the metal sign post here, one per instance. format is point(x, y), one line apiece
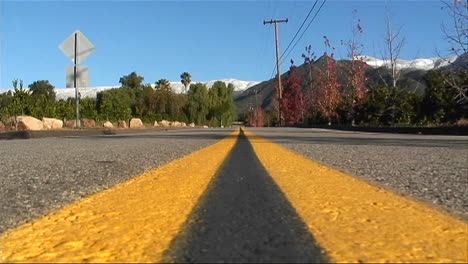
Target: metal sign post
point(77, 100)
point(77, 53)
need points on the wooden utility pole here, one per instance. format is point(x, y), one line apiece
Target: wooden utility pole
point(279, 88)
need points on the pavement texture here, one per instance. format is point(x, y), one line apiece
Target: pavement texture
point(356, 222)
point(134, 221)
point(237, 200)
point(44, 174)
point(244, 218)
point(433, 169)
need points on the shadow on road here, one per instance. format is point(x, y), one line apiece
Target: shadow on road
point(244, 217)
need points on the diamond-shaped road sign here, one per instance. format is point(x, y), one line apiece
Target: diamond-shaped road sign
point(84, 47)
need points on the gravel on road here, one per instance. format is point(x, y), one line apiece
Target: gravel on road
point(431, 168)
point(40, 175)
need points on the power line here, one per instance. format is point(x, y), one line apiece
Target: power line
point(299, 29)
point(312, 20)
point(297, 32)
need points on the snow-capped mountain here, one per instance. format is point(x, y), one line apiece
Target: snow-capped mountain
point(178, 87)
point(417, 64)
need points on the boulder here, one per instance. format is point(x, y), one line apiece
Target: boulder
point(156, 123)
point(29, 123)
point(122, 124)
point(52, 123)
point(108, 124)
point(462, 122)
point(205, 126)
point(191, 125)
point(88, 123)
point(175, 124)
point(70, 124)
point(136, 123)
point(164, 123)
point(183, 124)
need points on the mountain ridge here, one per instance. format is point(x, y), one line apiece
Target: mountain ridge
point(412, 78)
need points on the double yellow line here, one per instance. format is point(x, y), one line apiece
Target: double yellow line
point(136, 221)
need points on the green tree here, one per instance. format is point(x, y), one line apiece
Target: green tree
point(389, 106)
point(145, 104)
point(88, 108)
point(133, 80)
point(221, 104)
point(5, 100)
point(198, 103)
point(42, 102)
point(441, 103)
point(186, 79)
point(65, 109)
point(163, 98)
point(178, 106)
point(116, 104)
point(43, 87)
point(163, 85)
point(41, 106)
point(21, 103)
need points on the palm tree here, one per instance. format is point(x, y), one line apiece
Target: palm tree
point(186, 79)
point(163, 85)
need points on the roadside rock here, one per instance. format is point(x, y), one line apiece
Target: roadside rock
point(52, 123)
point(29, 123)
point(108, 124)
point(205, 126)
point(156, 124)
point(183, 124)
point(175, 124)
point(164, 123)
point(191, 125)
point(462, 122)
point(70, 123)
point(122, 124)
point(136, 123)
point(88, 123)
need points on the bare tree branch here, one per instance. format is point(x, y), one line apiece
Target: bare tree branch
point(393, 46)
point(456, 35)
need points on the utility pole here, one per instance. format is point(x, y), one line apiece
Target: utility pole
point(279, 88)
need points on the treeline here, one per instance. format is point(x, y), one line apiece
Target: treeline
point(327, 101)
point(200, 105)
point(342, 93)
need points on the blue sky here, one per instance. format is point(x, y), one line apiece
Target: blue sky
point(209, 39)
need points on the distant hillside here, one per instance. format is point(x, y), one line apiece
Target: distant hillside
point(413, 75)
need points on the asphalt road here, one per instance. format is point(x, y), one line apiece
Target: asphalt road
point(243, 216)
point(433, 169)
point(40, 175)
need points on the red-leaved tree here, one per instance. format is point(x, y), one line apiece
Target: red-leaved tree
point(257, 117)
point(328, 93)
point(293, 100)
point(356, 90)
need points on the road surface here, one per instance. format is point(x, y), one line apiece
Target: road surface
point(266, 195)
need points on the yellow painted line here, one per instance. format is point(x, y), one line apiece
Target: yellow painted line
point(132, 222)
point(357, 222)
